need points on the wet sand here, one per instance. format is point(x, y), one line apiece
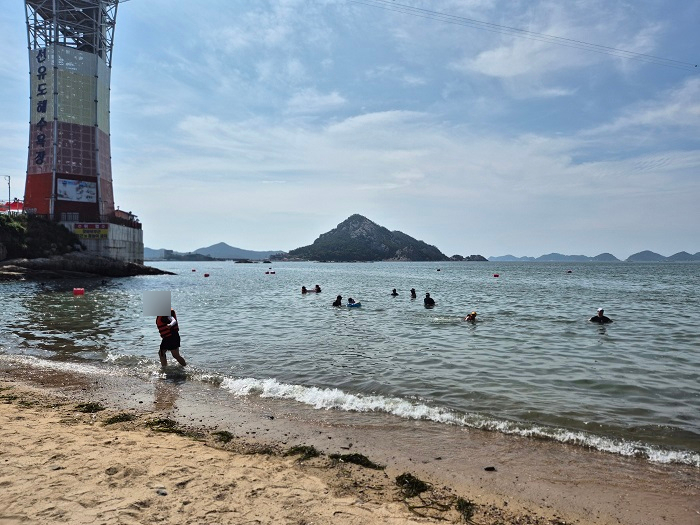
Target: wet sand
point(64, 465)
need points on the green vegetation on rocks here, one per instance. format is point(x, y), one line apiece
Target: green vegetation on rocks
point(31, 237)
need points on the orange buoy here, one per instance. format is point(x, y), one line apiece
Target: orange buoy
point(206, 275)
point(78, 291)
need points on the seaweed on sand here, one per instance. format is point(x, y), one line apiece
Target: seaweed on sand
point(357, 459)
point(223, 435)
point(465, 508)
point(119, 418)
point(305, 451)
point(89, 408)
point(410, 485)
point(163, 424)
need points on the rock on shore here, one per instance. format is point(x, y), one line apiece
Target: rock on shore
point(72, 265)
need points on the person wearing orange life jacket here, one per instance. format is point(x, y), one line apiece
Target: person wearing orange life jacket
point(170, 338)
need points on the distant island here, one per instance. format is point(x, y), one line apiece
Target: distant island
point(359, 239)
point(216, 252)
point(644, 256)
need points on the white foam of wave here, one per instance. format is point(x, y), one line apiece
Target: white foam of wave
point(333, 398)
point(128, 360)
point(35, 362)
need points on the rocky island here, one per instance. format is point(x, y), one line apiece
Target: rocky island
point(358, 239)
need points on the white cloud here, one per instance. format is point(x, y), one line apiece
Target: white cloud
point(309, 101)
point(677, 108)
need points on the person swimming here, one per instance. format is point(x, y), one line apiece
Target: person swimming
point(600, 318)
point(428, 302)
point(394, 293)
point(317, 289)
point(471, 317)
point(338, 301)
point(304, 290)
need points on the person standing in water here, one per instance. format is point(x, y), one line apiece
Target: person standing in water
point(338, 301)
point(413, 293)
point(170, 338)
point(428, 302)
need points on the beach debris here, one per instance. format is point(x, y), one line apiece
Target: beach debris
point(56, 467)
point(223, 435)
point(111, 471)
point(164, 425)
point(264, 450)
point(305, 451)
point(161, 492)
point(119, 418)
point(9, 398)
point(357, 459)
point(465, 508)
point(410, 485)
point(89, 408)
point(490, 469)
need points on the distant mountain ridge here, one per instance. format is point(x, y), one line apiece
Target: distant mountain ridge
point(643, 256)
point(359, 239)
point(222, 250)
point(217, 251)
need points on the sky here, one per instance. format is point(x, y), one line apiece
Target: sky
point(263, 124)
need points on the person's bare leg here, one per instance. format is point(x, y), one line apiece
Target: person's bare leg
point(163, 358)
point(178, 357)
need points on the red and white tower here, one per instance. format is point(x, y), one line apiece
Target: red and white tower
point(69, 168)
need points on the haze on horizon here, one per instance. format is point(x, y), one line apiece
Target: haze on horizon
point(264, 124)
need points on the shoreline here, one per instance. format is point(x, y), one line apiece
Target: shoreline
point(543, 482)
point(74, 265)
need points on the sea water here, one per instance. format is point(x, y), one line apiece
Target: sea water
point(531, 365)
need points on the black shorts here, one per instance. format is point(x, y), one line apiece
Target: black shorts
point(170, 343)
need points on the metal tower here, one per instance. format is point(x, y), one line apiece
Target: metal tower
point(69, 170)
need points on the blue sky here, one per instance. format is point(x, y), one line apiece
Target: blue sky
point(263, 124)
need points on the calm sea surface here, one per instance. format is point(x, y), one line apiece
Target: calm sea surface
point(532, 365)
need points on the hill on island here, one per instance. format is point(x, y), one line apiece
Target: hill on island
point(224, 251)
point(645, 256)
point(359, 239)
point(215, 251)
point(557, 257)
point(649, 256)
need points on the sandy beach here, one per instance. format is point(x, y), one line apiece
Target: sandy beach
point(66, 459)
